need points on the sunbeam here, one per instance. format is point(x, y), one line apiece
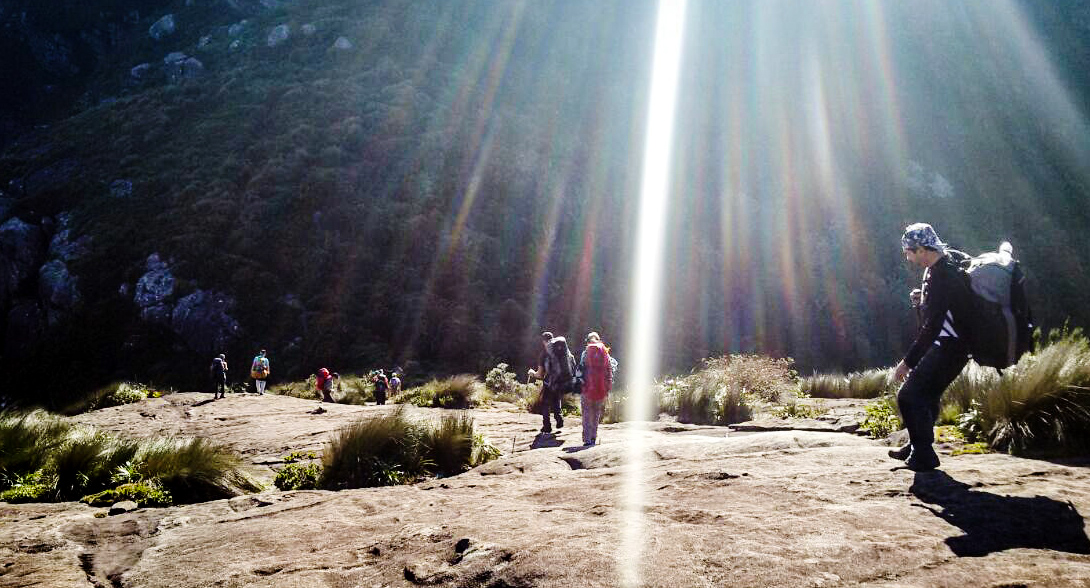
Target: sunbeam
point(644, 321)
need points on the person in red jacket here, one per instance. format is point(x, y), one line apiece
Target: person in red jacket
point(323, 381)
point(597, 377)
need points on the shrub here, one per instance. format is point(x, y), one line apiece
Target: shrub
point(460, 391)
point(357, 390)
point(794, 409)
point(142, 493)
point(390, 449)
point(503, 385)
point(294, 476)
point(881, 417)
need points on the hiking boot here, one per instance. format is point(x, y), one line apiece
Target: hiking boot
point(901, 453)
point(922, 463)
point(559, 423)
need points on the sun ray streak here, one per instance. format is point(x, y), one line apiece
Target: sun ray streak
point(647, 270)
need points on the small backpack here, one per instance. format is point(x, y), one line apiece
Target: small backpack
point(217, 366)
point(1002, 322)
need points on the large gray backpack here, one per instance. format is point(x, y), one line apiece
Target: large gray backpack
point(1002, 321)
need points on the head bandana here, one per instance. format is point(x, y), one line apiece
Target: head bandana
point(921, 235)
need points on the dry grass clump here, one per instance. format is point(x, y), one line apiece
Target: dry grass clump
point(867, 384)
point(393, 449)
point(725, 390)
point(1041, 405)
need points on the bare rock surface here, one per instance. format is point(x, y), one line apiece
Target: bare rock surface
point(720, 508)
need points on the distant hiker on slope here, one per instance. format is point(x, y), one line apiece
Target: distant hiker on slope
point(323, 382)
point(218, 371)
point(941, 348)
point(378, 378)
point(395, 384)
point(259, 371)
point(596, 374)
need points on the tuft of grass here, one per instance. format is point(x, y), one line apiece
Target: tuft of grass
point(86, 462)
point(379, 451)
point(867, 384)
point(392, 449)
point(26, 442)
point(194, 470)
point(448, 447)
point(461, 391)
point(1041, 405)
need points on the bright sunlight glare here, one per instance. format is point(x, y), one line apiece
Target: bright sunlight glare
point(647, 270)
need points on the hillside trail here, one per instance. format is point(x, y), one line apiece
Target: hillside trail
point(763, 508)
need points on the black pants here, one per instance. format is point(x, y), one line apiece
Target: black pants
point(550, 403)
point(219, 385)
point(920, 395)
point(380, 395)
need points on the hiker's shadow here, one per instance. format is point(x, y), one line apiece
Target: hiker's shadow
point(543, 440)
point(995, 523)
point(204, 402)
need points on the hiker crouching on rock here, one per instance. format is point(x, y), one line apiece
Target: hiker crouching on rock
point(941, 348)
point(323, 382)
point(597, 379)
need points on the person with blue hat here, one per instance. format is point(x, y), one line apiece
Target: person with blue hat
point(941, 348)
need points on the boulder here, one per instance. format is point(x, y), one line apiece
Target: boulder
point(178, 66)
point(121, 188)
point(140, 72)
point(59, 290)
point(204, 41)
point(164, 27)
point(203, 321)
point(343, 44)
point(308, 29)
point(123, 507)
point(235, 45)
point(62, 246)
point(278, 35)
point(22, 247)
point(154, 290)
point(237, 28)
point(25, 328)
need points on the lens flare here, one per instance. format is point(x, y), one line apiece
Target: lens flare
point(647, 272)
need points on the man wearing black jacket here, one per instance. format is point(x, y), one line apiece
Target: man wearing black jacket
point(941, 348)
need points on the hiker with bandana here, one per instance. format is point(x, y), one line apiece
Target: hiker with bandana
point(941, 348)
